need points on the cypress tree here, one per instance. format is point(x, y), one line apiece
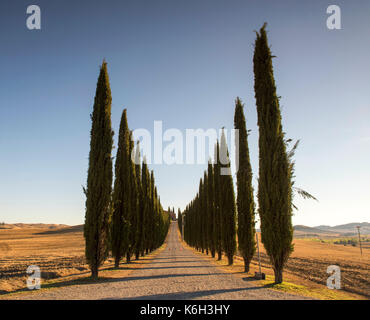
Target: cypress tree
point(122, 205)
point(204, 212)
point(210, 210)
point(145, 180)
point(133, 196)
point(217, 197)
point(99, 179)
point(199, 212)
point(179, 220)
point(245, 201)
point(152, 212)
point(200, 217)
point(140, 224)
point(275, 181)
point(157, 220)
point(228, 209)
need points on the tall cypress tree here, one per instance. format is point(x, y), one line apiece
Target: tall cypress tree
point(210, 210)
point(133, 196)
point(205, 212)
point(179, 220)
point(152, 212)
point(157, 220)
point(200, 215)
point(122, 205)
point(217, 230)
point(275, 181)
point(140, 224)
point(228, 208)
point(145, 180)
point(99, 179)
point(245, 201)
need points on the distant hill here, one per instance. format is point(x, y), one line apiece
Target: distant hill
point(348, 228)
point(343, 230)
point(311, 229)
point(32, 226)
point(78, 228)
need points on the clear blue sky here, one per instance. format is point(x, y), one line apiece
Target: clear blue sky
point(182, 62)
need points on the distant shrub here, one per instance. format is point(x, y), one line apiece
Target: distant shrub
point(344, 242)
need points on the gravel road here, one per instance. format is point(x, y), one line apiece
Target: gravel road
point(175, 273)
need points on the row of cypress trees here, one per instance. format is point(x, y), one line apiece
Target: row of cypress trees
point(210, 218)
point(128, 220)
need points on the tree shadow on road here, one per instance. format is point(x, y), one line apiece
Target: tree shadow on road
point(165, 267)
point(186, 295)
point(106, 279)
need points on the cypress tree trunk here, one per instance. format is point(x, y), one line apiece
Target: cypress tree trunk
point(247, 262)
point(116, 262)
point(94, 272)
point(99, 179)
point(275, 184)
point(245, 201)
point(228, 208)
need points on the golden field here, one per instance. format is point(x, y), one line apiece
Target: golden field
point(57, 250)
point(310, 260)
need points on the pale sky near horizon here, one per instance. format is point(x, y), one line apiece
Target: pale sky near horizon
point(184, 63)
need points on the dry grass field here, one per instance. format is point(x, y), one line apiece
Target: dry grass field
point(311, 257)
point(59, 252)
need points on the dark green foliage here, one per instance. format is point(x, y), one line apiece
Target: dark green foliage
point(209, 219)
point(121, 232)
point(152, 212)
point(139, 248)
point(217, 234)
point(179, 220)
point(145, 180)
point(210, 211)
point(275, 185)
point(228, 207)
point(99, 179)
point(130, 220)
point(245, 201)
point(203, 213)
point(199, 224)
point(134, 205)
point(155, 222)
